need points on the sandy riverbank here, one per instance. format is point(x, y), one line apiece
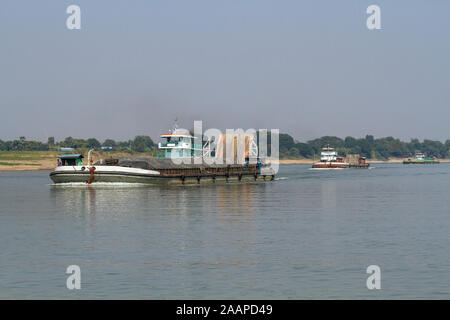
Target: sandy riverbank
point(296, 161)
point(27, 160)
point(36, 160)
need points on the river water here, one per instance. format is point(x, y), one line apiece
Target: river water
point(307, 235)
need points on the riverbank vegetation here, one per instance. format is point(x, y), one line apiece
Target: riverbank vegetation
point(140, 144)
point(380, 149)
point(370, 147)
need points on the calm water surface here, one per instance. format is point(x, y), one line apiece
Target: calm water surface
point(309, 235)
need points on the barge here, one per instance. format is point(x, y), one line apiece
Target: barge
point(192, 167)
point(329, 159)
point(421, 159)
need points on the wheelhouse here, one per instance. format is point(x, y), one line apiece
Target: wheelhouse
point(180, 145)
point(329, 155)
point(420, 156)
point(70, 160)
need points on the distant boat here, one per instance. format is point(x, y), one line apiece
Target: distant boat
point(421, 159)
point(329, 159)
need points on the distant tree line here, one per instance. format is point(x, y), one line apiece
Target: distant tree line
point(138, 144)
point(369, 147)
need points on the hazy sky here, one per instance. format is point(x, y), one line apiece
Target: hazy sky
point(310, 68)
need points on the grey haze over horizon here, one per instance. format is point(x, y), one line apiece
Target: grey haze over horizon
point(309, 68)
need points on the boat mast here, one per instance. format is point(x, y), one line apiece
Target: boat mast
point(89, 156)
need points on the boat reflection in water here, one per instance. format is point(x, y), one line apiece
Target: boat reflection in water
point(123, 199)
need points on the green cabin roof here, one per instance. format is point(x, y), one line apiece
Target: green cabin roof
point(70, 156)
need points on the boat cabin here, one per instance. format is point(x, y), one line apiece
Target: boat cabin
point(420, 156)
point(70, 160)
point(329, 155)
point(180, 144)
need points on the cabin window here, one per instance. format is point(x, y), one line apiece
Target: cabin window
point(69, 162)
point(172, 139)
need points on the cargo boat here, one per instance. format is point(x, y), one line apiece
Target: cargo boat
point(185, 162)
point(421, 159)
point(329, 159)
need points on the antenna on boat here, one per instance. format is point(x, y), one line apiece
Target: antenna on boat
point(89, 156)
point(175, 125)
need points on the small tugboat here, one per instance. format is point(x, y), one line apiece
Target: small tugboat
point(421, 159)
point(196, 165)
point(329, 159)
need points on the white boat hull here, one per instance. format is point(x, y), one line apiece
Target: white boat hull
point(70, 174)
point(117, 174)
